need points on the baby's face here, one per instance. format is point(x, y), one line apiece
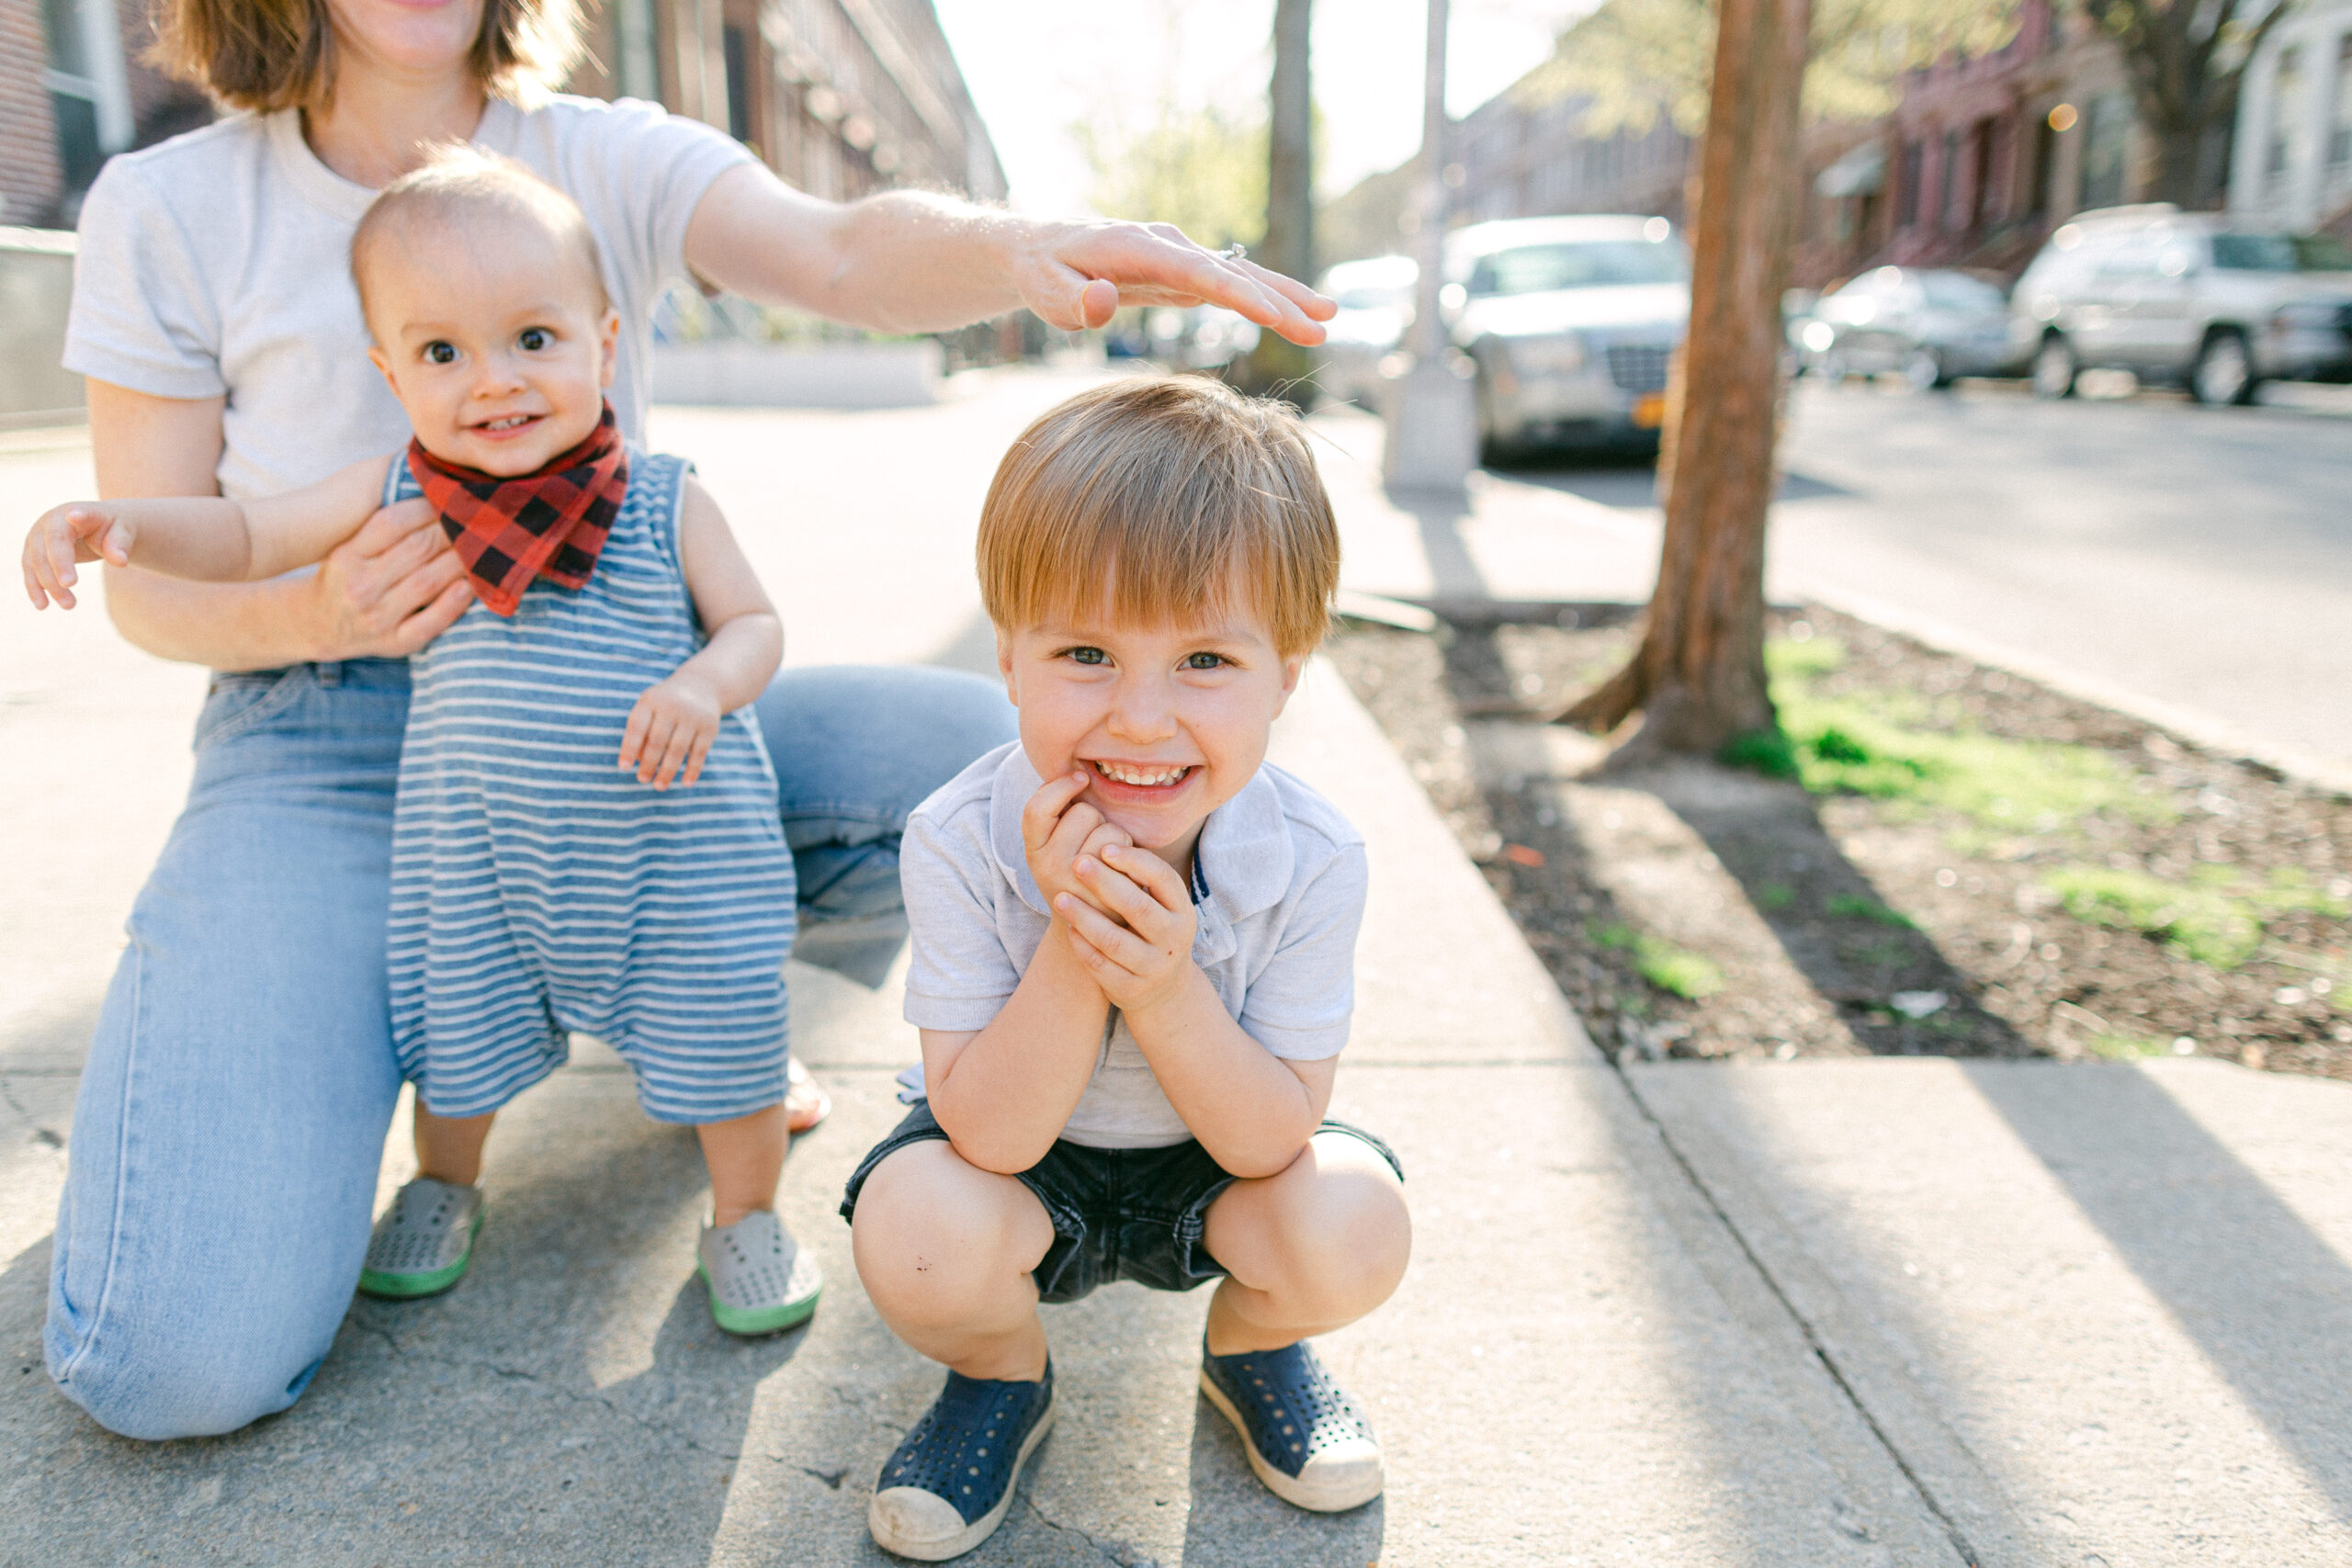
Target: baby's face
point(495, 343)
point(1167, 722)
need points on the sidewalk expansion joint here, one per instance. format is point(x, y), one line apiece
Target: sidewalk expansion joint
point(1821, 1353)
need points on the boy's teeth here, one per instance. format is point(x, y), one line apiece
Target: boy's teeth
point(1150, 776)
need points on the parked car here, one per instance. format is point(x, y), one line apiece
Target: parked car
point(1376, 301)
point(1570, 323)
point(2189, 298)
point(1927, 325)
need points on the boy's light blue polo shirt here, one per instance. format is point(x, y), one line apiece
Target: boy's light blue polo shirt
point(1278, 884)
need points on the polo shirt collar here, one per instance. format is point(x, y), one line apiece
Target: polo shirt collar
point(1244, 857)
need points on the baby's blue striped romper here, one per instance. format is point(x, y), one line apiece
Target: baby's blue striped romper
point(539, 889)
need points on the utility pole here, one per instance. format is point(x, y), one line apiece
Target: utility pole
point(1433, 424)
point(1699, 675)
point(1277, 366)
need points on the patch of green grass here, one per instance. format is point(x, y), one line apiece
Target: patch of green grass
point(1856, 907)
point(1691, 976)
point(2121, 1047)
point(1785, 658)
point(2289, 891)
point(1886, 746)
point(2207, 924)
point(1773, 896)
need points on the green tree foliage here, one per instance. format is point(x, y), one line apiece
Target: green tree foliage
point(1636, 61)
point(1203, 170)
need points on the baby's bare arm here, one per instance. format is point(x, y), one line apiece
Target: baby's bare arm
point(673, 724)
point(200, 538)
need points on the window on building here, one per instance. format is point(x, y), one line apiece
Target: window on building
point(2339, 129)
point(2286, 102)
point(2107, 140)
point(2045, 163)
point(72, 83)
point(1914, 169)
point(737, 47)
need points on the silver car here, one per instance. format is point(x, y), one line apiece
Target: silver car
point(2189, 298)
point(1376, 301)
point(1570, 323)
point(1927, 325)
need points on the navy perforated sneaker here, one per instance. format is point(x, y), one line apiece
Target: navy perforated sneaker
point(1305, 1437)
point(949, 1486)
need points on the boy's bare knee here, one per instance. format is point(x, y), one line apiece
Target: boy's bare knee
point(935, 1236)
point(1331, 1235)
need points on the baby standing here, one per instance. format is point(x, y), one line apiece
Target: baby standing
point(537, 888)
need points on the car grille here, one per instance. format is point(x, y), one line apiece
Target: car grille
point(1638, 366)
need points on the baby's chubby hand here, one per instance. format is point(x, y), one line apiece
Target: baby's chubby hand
point(671, 729)
point(1056, 829)
point(83, 530)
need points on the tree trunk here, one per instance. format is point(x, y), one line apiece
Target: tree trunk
point(1698, 677)
point(1278, 367)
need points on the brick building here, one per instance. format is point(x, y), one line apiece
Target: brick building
point(841, 97)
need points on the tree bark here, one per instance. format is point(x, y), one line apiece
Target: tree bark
point(1277, 366)
point(1698, 677)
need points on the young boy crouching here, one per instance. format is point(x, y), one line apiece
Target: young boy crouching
point(1134, 942)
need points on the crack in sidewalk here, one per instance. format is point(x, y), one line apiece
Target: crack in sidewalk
point(521, 1374)
point(1821, 1351)
point(1122, 1554)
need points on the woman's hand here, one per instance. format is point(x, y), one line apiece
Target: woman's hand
point(671, 728)
point(83, 531)
point(1141, 951)
point(1075, 275)
point(390, 589)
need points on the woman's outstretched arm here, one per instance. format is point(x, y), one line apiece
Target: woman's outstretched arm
point(385, 592)
point(911, 261)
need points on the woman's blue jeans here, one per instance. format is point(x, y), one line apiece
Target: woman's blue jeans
point(232, 1115)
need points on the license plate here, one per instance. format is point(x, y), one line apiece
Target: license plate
point(1649, 412)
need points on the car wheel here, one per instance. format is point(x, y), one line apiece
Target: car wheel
point(2054, 368)
point(1923, 370)
point(2224, 370)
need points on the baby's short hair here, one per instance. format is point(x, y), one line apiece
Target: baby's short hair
point(458, 185)
point(1173, 492)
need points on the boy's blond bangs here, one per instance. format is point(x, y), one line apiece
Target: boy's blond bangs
point(1174, 494)
point(279, 54)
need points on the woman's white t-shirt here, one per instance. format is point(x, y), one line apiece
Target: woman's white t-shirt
point(219, 261)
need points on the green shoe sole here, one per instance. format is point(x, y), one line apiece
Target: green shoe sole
point(770, 1320)
point(409, 1287)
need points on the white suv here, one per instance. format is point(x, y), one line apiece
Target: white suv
point(2180, 297)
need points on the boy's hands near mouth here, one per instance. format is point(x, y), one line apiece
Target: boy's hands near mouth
point(1136, 939)
point(1057, 832)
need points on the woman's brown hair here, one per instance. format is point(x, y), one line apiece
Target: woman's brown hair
point(279, 54)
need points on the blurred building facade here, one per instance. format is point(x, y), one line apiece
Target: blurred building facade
point(2292, 164)
point(1979, 159)
point(842, 97)
point(73, 93)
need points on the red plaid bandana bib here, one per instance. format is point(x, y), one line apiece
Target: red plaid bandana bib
point(551, 524)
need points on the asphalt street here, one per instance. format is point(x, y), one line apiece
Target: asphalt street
point(2194, 561)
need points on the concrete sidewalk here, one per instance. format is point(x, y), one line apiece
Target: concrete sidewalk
point(1878, 1313)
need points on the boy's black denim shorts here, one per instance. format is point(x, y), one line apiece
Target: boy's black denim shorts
point(1118, 1213)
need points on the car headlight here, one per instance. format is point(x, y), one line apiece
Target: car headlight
point(1819, 336)
point(2307, 316)
point(1546, 356)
